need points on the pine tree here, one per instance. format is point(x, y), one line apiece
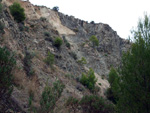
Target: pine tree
point(134, 94)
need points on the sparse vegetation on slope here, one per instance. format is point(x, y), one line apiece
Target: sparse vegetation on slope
point(7, 62)
point(17, 12)
point(90, 104)
point(58, 42)
point(50, 59)
point(94, 41)
point(89, 80)
point(50, 95)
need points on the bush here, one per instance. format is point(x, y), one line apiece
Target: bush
point(50, 96)
point(26, 28)
point(92, 22)
point(112, 76)
point(111, 93)
point(48, 99)
point(95, 104)
point(73, 103)
point(43, 19)
point(28, 64)
point(50, 59)
point(2, 28)
point(57, 88)
point(82, 61)
point(21, 27)
point(1, 9)
point(17, 12)
point(68, 45)
point(94, 41)
point(58, 42)
point(74, 55)
point(89, 80)
point(7, 62)
point(46, 34)
point(56, 8)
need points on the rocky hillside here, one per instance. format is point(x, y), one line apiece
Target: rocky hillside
point(32, 40)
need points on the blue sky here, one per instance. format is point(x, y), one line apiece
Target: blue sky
point(121, 15)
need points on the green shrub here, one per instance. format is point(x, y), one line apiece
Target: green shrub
point(68, 45)
point(48, 99)
point(26, 28)
point(95, 104)
point(58, 42)
point(82, 61)
point(56, 8)
point(47, 34)
point(76, 30)
point(2, 28)
point(111, 93)
point(73, 103)
point(1, 7)
point(92, 22)
point(7, 62)
point(21, 27)
point(89, 80)
point(66, 42)
point(50, 59)
point(112, 76)
point(50, 95)
point(43, 19)
point(17, 12)
point(94, 40)
point(31, 96)
point(28, 64)
point(57, 88)
point(74, 55)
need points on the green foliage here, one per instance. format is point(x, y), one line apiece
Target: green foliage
point(56, 8)
point(2, 28)
point(50, 59)
point(21, 27)
point(73, 103)
point(112, 76)
point(50, 96)
point(48, 99)
point(82, 61)
point(66, 42)
point(95, 104)
point(92, 22)
point(26, 28)
point(134, 96)
point(43, 19)
point(58, 42)
point(113, 91)
point(1, 9)
point(68, 45)
point(58, 88)
point(74, 55)
point(31, 96)
point(94, 40)
point(89, 80)
point(7, 62)
point(28, 64)
point(47, 34)
point(17, 12)
point(76, 30)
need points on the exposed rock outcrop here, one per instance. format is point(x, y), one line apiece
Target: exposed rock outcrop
point(29, 39)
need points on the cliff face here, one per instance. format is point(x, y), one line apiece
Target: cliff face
point(110, 47)
point(29, 38)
